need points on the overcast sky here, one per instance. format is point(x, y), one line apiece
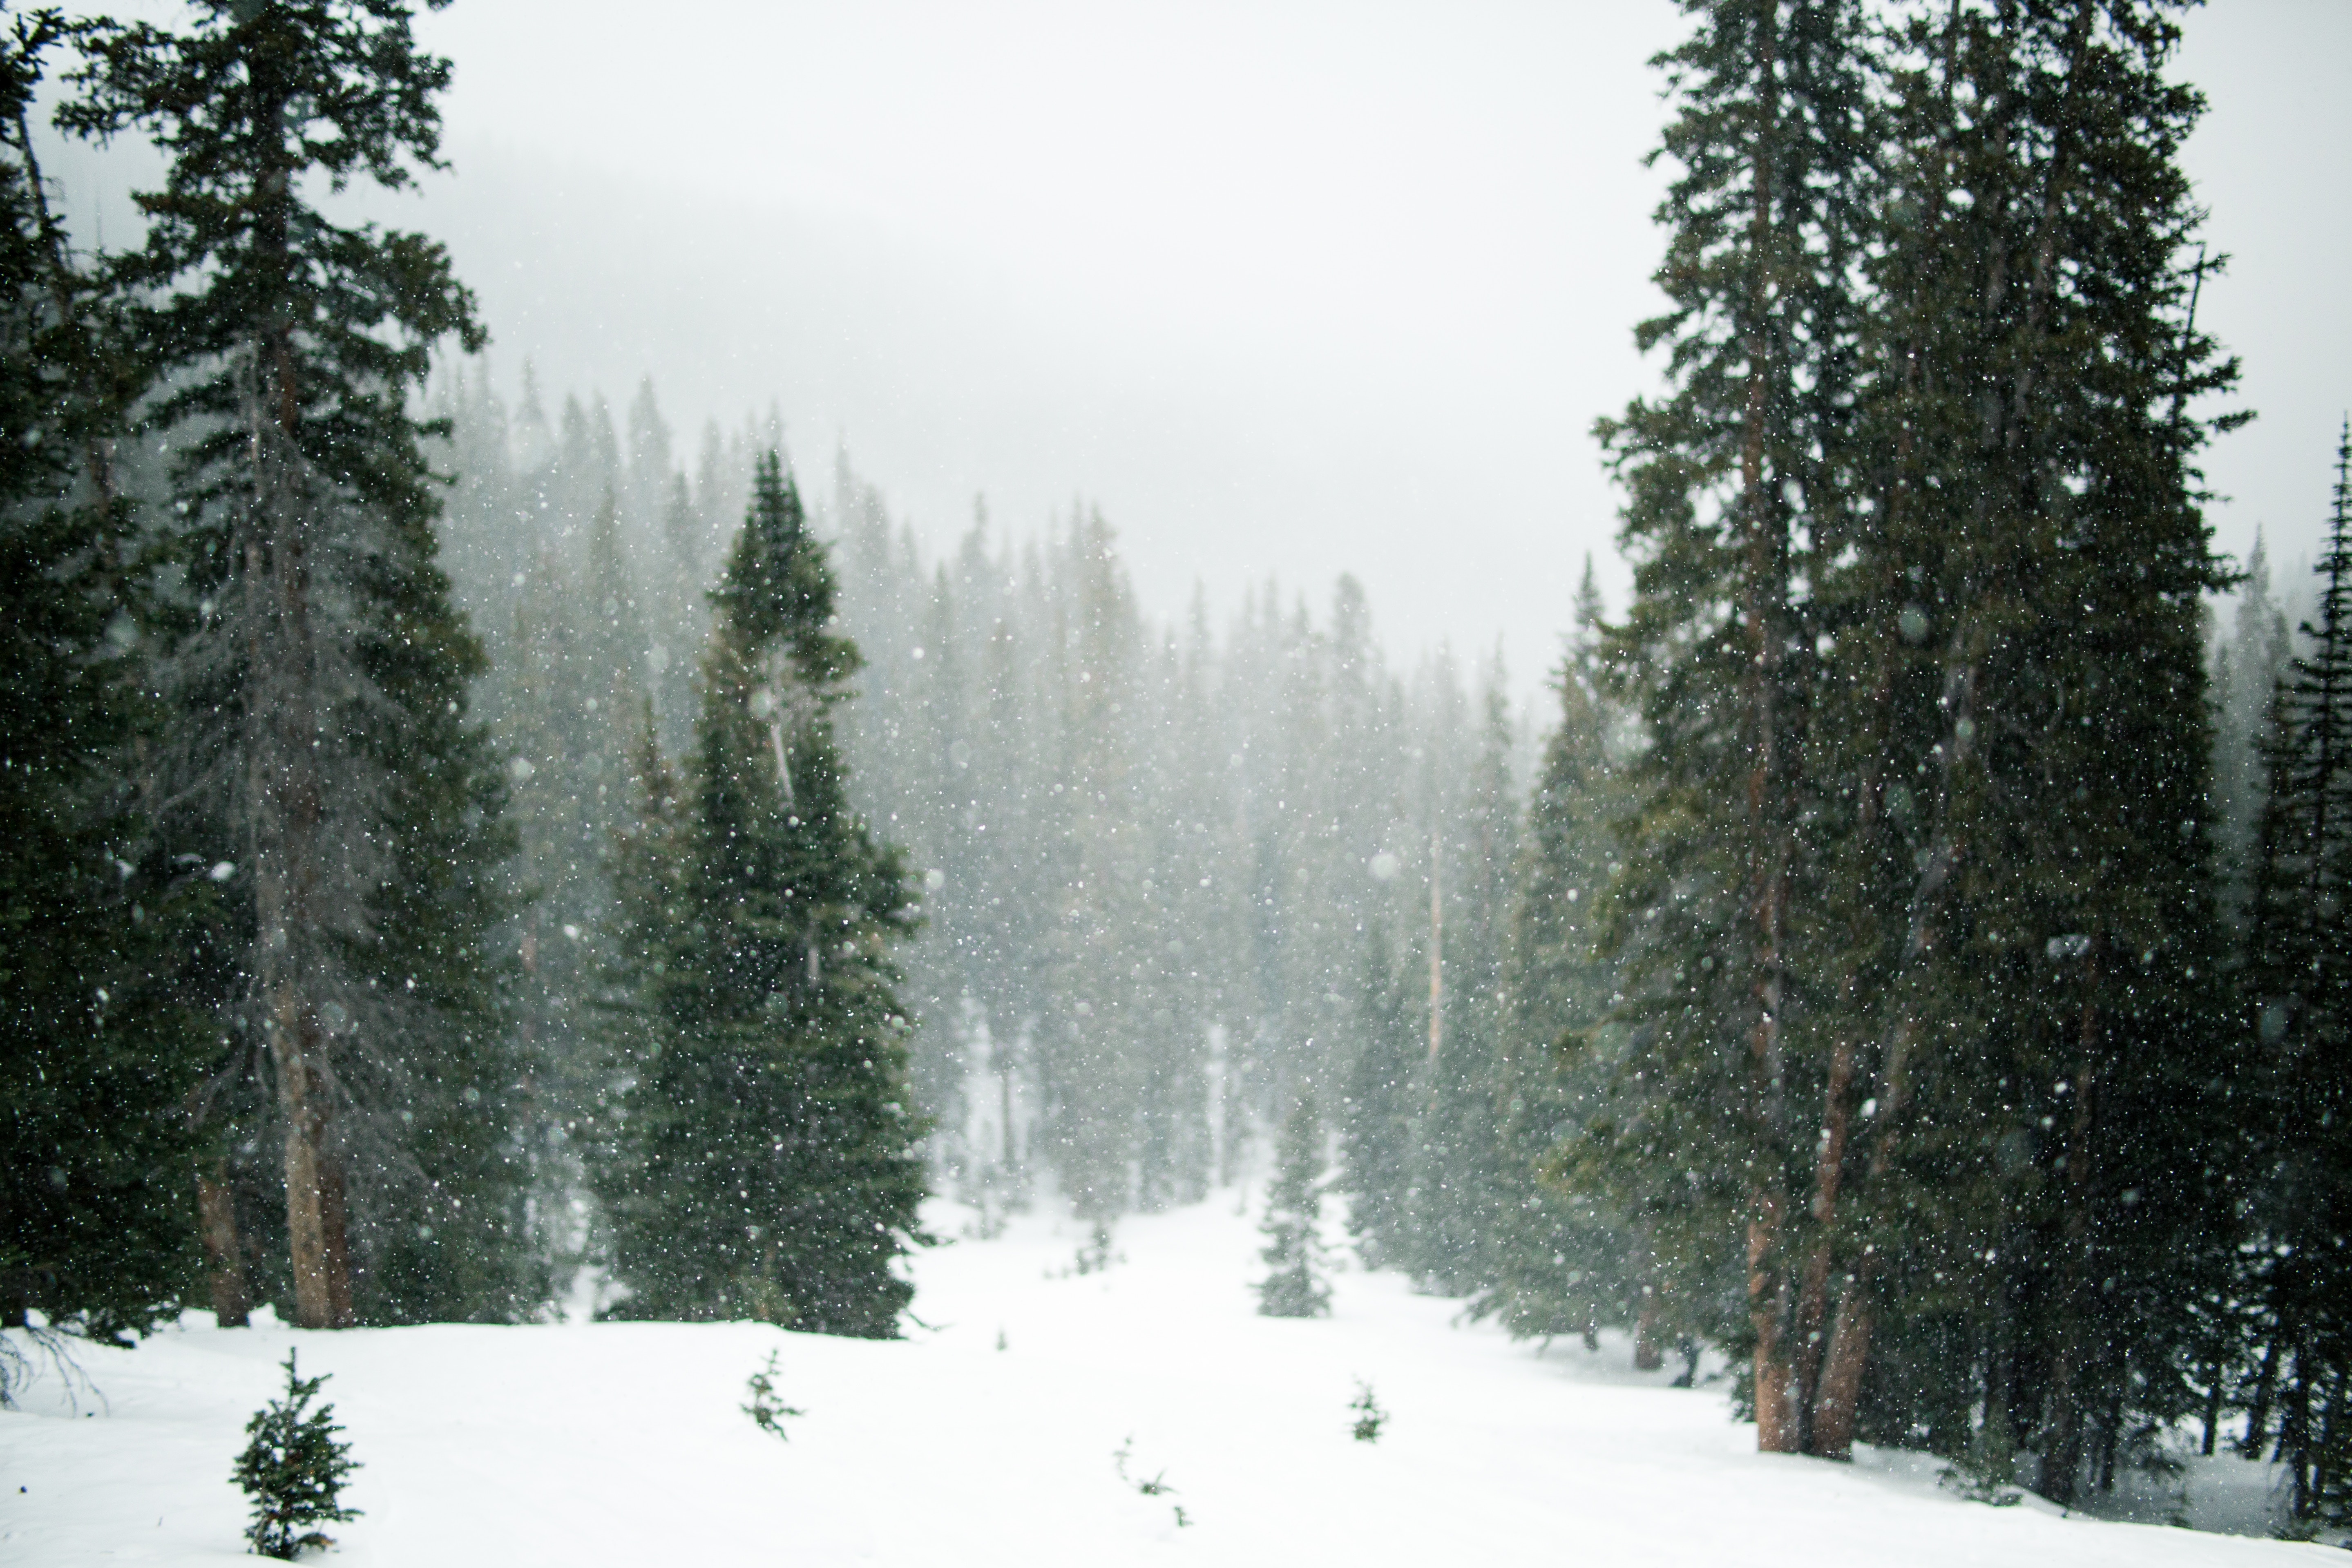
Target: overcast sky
point(1285, 287)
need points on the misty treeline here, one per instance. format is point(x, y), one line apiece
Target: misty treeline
point(1906, 951)
point(1164, 871)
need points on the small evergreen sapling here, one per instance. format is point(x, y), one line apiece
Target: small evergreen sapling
point(766, 1411)
point(293, 1469)
point(1157, 1486)
point(1370, 1416)
point(1294, 1248)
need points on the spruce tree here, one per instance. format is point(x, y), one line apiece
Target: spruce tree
point(1738, 484)
point(761, 1159)
point(1296, 1287)
point(1453, 1185)
point(2298, 984)
point(1376, 1131)
point(1562, 1259)
point(2021, 747)
point(293, 1468)
point(321, 744)
point(1921, 908)
point(96, 1225)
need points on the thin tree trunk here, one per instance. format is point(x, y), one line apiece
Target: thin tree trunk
point(2258, 1414)
point(1768, 1292)
point(1648, 1354)
point(1005, 1113)
point(288, 806)
point(1767, 1282)
point(1838, 1401)
point(284, 733)
point(224, 1263)
point(1813, 1301)
point(334, 1226)
point(1436, 955)
point(2062, 1448)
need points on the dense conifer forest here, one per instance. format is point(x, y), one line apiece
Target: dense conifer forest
point(468, 845)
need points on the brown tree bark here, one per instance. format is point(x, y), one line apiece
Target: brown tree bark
point(283, 730)
point(1768, 1292)
point(1765, 609)
point(1838, 1401)
point(224, 1263)
point(336, 1236)
point(1813, 1298)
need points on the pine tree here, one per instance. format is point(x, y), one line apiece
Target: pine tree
point(1454, 1184)
point(95, 1144)
point(1930, 839)
point(762, 1158)
point(1376, 1134)
point(294, 1469)
point(1562, 1261)
point(2022, 741)
point(2298, 982)
point(1294, 1207)
point(319, 671)
point(1737, 483)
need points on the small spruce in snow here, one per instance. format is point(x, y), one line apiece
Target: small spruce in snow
point(1157, 1486)
point(1294, 1207)
point(293, 1469)
point(766, 1411)
point(1369, 1414)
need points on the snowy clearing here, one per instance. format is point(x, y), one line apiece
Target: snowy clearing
point(581, 1445)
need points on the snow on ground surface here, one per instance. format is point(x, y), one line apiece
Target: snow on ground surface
point(624, 1444)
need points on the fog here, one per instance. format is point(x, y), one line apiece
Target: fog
point(1287, 290)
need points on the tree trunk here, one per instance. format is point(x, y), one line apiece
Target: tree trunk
point(283, 733)
point(1768, 1292)
point(224, 1264)
point(1648, 1354)
point(1838, 1401)
point(2062, 1446)
point(1765, 609)
point(2258, 1414)
point(306, 1125)
point(1813, 1299)
point(335, 1250)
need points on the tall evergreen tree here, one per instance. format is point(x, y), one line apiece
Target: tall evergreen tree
point(2298, 982)
point(96, 1225)
point(2021, 751)
point(320, 671)
point(1376, 1130)
point(1452, 1185)
point(762, 1152)
point(1562, 1261)
point(1738, 485)
point(1924, 822)
point(1296, 1287)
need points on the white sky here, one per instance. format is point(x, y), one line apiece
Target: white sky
point(1290, 286)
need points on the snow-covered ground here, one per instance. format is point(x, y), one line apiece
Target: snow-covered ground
point(989, 1437)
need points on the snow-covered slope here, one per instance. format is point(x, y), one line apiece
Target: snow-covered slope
point(624, 1444)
